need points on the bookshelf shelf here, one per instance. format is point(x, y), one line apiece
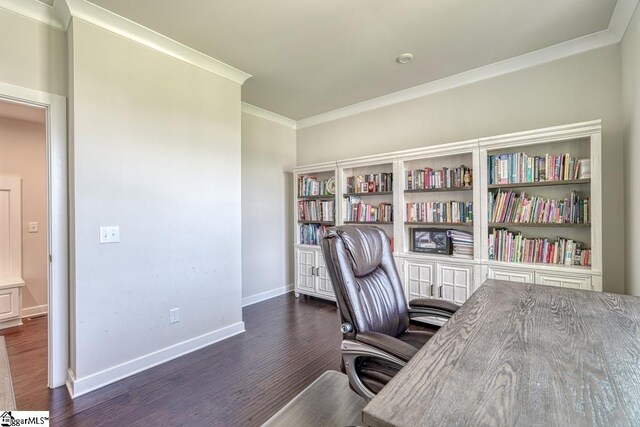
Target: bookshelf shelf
point(370, 222)
point(439, 190)
point(580, 269)
point(441, 224)
point(327, 223)
point(372, 193)
point(329, 197)
point(435, 257)
point(539, 184)
point(535, 224)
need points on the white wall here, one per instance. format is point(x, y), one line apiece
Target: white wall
point(23, 154)
point(631, 111)
point(33, 55)
point(155, 149)
point(574, 89)
point(268, 153)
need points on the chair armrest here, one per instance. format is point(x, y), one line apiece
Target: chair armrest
point(434, 312)
point(388, 344)
point(436, 304)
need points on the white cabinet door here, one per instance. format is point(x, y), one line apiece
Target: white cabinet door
point(419, 277)
point(575, 281)
point(322, 276)
point(521, 276)
point(9, 303)
point(454, 282)
point(305, 263)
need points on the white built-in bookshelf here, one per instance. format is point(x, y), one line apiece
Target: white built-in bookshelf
point(522, 207)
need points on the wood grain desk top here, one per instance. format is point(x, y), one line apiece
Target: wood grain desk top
point(522, 354)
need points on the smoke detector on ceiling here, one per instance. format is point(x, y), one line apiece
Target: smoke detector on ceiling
point(404, 58)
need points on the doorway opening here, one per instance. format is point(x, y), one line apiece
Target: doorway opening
point(24, 250)
point(48, 111)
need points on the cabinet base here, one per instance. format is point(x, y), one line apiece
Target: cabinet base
point(4, 324)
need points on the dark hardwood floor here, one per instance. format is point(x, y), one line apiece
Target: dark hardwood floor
point(241, 381)
point(27, 350)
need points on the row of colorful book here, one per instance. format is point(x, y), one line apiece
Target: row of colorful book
point(316, 210)
point(508, 246)
point(311, 234)
point(311, 186)
point(371, 183)
point(429, 179)
point(513, 208)
point(519, 167)
point(454, 212)
point(358, 211)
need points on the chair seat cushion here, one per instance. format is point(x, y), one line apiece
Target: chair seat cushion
point(416, 338)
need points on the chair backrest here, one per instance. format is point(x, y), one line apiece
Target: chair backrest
point(365, 279)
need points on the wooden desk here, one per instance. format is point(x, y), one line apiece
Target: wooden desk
point(521, 354)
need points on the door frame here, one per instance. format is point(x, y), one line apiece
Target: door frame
point(55, 107)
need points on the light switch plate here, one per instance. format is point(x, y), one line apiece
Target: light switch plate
point(110, 234)
point(34, 227)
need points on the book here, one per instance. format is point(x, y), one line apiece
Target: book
point(310, 186)
point(370, 183)
point(451, 212)
point(358, 211)
point(508, 246)
point(429, 179)
point(513, 168)
point(511, 207)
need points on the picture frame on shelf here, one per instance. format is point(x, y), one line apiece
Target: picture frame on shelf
point(430, 241)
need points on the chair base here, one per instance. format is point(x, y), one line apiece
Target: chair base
point(328, 401)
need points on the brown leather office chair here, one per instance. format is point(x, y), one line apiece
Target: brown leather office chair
point(377, 338)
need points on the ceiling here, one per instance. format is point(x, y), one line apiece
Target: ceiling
point(12, 110)
point(310, 57)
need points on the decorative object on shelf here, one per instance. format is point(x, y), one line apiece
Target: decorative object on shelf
point(331, 185)
point(429, 179)
point(430, 241)
point(584, 171)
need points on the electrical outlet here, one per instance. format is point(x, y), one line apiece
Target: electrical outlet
point(110, 234)
point(174, 315)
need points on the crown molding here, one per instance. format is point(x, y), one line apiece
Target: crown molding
point(622, 15)
point(34, 10)
point(554, 133)
point(268, 115)
point(103, 18)
point(620, 19)
point(538, 57)
point(60, 15)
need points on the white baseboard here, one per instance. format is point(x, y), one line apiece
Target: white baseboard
point(263, 296)
point(79, 386)
point(37, 310)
